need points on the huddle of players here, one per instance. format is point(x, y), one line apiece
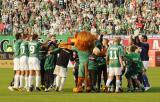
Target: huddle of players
point(110, 60)
point(26, 62)
point(39, 60)
point(113, 61)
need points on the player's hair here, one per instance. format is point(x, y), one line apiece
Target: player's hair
point(34, 36)
point(25, 36)
point(96, 50)
point(116, 40)
point(53, 35)
point(132, 48)
point(18, 36)
point(119, 40)
point(145, 37)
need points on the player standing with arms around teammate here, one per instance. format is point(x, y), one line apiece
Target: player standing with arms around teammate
point(16, 60)
point(24, 53)
point(145, 59)
point(34, 63)
point(114, 58)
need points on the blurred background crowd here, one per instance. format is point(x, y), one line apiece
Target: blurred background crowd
point(108, 17)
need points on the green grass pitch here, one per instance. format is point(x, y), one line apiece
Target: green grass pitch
point(153, 95)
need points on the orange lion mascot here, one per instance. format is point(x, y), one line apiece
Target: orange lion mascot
point(84, 44)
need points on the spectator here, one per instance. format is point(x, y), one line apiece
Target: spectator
point(42, 16)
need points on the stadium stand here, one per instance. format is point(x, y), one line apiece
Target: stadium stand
point(108, 17)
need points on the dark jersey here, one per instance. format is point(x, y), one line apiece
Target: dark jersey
point(50, 59)
point(144, 52)
point(64, 56)
point(92, 65)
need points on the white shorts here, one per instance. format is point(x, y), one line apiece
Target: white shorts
point(60, 71)
point(24, 63)
point(16, 62)
point(145, 64)
point(115, 71)
point(34, 63)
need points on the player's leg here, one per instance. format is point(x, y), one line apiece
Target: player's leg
point(118, 79)
point(51, 80)
point(26, 73)
point(26, 79)
point(129, 81)
point(57, 78)
point(38, 80)
point(17, 74)
point(23, 63)
point(10, 87)
point(36, 68)
point(75, 74)
point(22, 79)
point(46, 80)
point(104, 70)
point(99, 76)
point(31, 74)
point(145, 78)
point(42, 71)
point(63, 74)
point(110, 78)
point(138, 83)
point(92, 74)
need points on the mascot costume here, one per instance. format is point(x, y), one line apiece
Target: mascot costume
point(84, 44)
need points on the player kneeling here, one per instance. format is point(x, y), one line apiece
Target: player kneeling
point(134, 68)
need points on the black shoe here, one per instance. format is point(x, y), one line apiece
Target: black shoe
point(120, 89)
point(129, 90)
point(37, 89)
point(106, 90)
point(93, 90)
point(57, 89)
point(42, 87)
point(143, 89)
point(30, 89)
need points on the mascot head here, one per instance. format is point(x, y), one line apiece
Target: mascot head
point(84, 41)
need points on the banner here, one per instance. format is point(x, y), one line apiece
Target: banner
point(6, 63)
point(9, 40)
point(6, 55)
point(154, 58)
point(153, 40)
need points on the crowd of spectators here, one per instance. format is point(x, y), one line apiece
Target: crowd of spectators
point(108, 17)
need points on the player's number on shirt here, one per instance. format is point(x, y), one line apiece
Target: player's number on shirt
point(22, 49)
point(113, 55)
point(32, 49)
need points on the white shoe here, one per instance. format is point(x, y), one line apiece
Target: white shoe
point(147, 88)
point(46, 90)
point(50, 88)
point(10, 88)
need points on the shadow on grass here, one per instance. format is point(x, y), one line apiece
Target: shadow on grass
point(151, 90)
point(154, 90)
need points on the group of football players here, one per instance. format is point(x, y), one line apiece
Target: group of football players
point(47, 63)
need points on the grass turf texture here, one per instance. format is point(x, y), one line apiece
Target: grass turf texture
point(153, 95)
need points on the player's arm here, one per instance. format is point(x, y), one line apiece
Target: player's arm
point(107, 57)
point(55, 51)
point(71, 56)
point(121, 59)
